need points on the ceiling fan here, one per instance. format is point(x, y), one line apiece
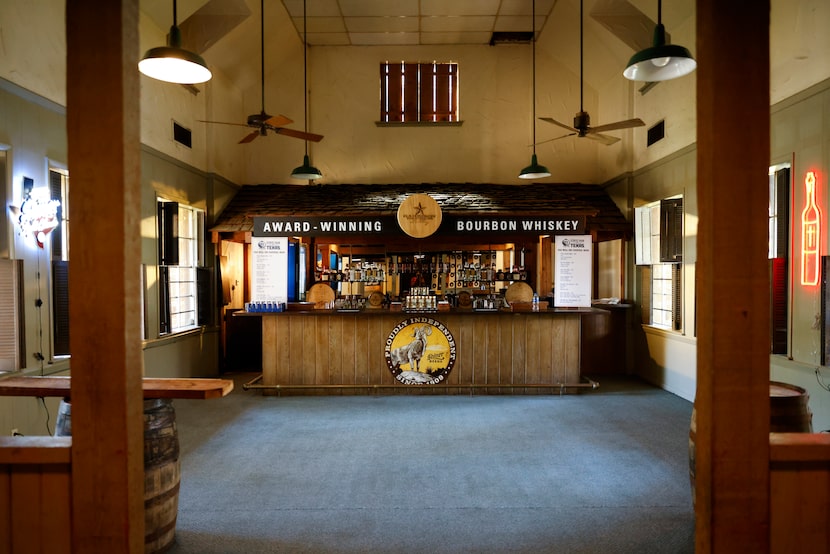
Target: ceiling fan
point(582, 121)
point(262, 122)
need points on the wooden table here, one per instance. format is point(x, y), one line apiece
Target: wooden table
point(153, 387)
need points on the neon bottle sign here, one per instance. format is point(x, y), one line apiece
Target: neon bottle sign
point(810, 234)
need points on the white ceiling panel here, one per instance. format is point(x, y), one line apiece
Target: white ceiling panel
point(524, 7)
point(459, 7)
point(356, 8)
point(329, 39)
point(455, 38)
point(318, 8)
point(321, 25)
point(376, 18)
point(366, 39)
point(518, 23)
point(457, 24)
point(382, 24)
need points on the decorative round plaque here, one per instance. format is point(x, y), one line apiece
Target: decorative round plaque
point(419, 215)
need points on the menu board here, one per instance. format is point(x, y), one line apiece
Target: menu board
point(269, 281)
point(572, 284)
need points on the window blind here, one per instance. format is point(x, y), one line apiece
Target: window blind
point(10, 335)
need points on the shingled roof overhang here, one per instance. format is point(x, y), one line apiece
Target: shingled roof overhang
point(604, 220)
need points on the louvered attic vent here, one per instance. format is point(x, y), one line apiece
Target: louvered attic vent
point(512, 37)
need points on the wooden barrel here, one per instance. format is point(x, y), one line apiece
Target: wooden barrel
point(162, 475)
point(692, 431)
point(789, 413)
point(162, 470)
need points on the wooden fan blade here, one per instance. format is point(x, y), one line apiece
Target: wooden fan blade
point(278, 121)
point(553, 139)
point(249, 137)
point(626, 124)
point(551, 120)
point(224, 123)
point(299, 134)
point(604, 139)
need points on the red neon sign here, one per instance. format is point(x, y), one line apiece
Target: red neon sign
point(810, 234)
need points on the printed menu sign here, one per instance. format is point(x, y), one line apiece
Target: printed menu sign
point(572, 285)
point(269, 282)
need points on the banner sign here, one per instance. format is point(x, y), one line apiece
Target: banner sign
point(269, 281)
point(279, 226)
point(572, 285)
point(493, 226)
point(541, 225)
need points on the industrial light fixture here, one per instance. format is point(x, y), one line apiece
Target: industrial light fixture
point(305, 171)
point(172, 63)
point(661, 61)
point(534, 170)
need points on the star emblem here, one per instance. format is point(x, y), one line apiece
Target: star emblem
point(419, 209)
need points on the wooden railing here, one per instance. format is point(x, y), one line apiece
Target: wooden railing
point(800, 493)
point(35, 495)
point(36, 472)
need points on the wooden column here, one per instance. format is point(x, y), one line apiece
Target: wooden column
point(103, 143)
point(732, 403)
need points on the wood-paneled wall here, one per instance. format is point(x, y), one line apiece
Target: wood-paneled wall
point(348, 349)
point(35, 495)
point(800, 493)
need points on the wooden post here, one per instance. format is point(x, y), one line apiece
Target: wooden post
point(732, 402)
point(103, 144)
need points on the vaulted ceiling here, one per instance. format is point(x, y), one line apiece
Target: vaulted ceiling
point(227, 32)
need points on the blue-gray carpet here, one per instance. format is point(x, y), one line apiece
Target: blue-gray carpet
point(601, 471)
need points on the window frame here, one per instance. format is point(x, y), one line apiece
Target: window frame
point(779, 255)
point(184, 281)
point(59, 243)
point(403, 94)
point(658, 247)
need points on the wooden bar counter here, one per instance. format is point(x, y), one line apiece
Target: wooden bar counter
point(503, 351)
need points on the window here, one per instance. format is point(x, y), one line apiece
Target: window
point(418, 92)
point(183, 298)
point(59, 190)
point(665, 281)
point(779, 225)
point(658, 229)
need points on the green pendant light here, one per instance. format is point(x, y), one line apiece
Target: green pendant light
point(661, 61)
point(534, 170)
point(172, 63)
point(305, 171)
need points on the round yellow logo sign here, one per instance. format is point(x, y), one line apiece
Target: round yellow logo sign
point(419, 215)
point(420, 351)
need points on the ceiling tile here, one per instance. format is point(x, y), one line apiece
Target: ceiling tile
point(455, 38)
point(457, 24)
point(459, 7)
point(384, 38)
point(320, 25)
point(381, 24)
point(523, 7)
point(511, 23)
point(378, 7)
point(316, 8)
point(329, 39)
